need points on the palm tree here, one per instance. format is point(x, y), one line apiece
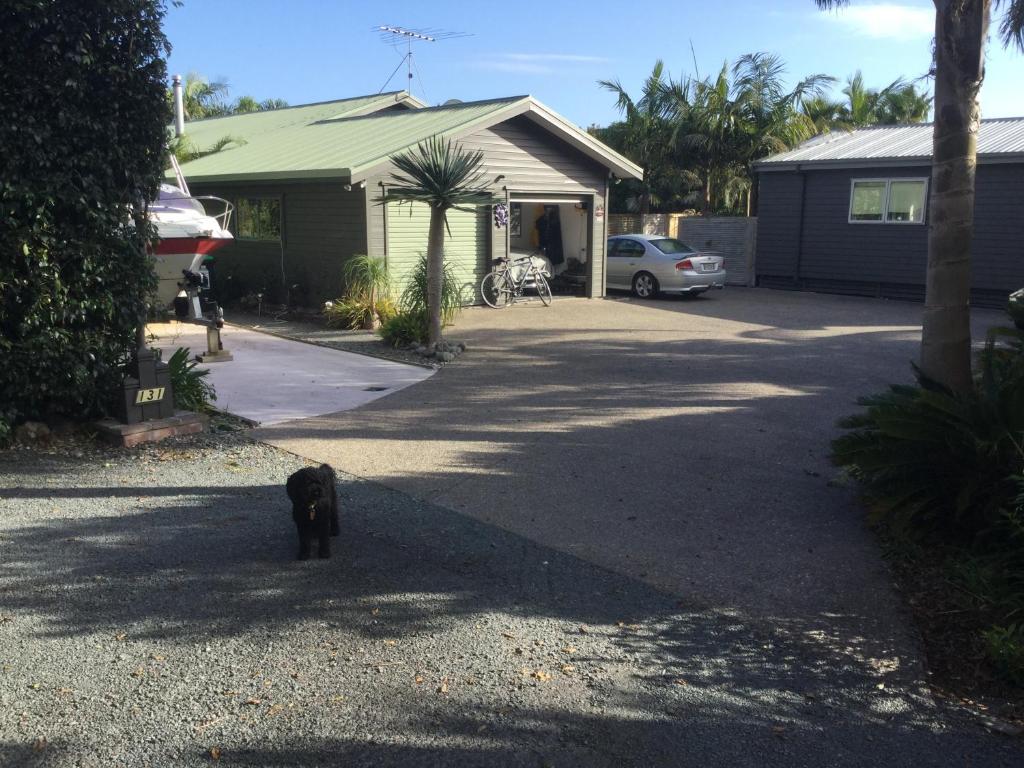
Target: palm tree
point(961, 28)
point(771, 120)
point(203, 98)
point(825, 114)
point(444, 176)
point(861, 101)
point(733, 124)
point(185, 149)
point(646, 134)
point(245, 104)
point(902, 105)
point(710, 129)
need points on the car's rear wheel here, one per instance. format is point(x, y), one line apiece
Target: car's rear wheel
point(645, 285)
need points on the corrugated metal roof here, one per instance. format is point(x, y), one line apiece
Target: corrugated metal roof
point(336, 146)
point(327, 141)
point(997, 137)
point(204, 133)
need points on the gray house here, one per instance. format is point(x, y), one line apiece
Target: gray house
point(848, 213)
point(306, 183)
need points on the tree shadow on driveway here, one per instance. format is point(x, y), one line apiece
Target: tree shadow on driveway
point(653, 680)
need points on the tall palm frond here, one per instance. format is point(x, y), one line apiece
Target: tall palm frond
point(185, 149)
point(204, 98)
point(441, 174)
point(646, 130)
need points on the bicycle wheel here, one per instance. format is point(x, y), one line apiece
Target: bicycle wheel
point(496, 290)
point(543, 290)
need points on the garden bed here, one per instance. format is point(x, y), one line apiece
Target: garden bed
point(310, 328)
point(952, 620)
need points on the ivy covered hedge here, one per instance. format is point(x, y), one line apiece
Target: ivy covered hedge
point(83, 99)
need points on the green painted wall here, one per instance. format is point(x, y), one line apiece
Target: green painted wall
point(465, 245)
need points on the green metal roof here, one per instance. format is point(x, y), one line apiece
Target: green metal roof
point(334, 147)
point(204, 133)
point(327, 141)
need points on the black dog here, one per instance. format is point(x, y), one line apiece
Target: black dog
point(314, 507)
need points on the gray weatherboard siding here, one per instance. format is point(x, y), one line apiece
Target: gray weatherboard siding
point(881, 259)
point(323, 224)
point(532, 162)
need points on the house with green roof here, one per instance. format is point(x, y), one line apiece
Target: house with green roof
point(307, 182)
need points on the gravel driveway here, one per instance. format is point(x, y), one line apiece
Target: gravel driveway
point(151, 614)
point(509, 600)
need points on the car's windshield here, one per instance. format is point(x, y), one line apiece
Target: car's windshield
point(670, 245)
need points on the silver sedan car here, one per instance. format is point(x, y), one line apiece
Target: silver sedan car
point(653, 264)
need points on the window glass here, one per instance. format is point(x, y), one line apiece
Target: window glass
point(906, 201)
point(671, 245)
point(259, 219)
point(868, 201)
point(630, 249)
point(612, 246)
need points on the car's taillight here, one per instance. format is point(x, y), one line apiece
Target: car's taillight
point(684, 264)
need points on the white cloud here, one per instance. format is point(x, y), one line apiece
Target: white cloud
point(887, 20)
point(536, 63)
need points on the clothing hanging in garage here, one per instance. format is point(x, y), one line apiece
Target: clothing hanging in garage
point(549, 234)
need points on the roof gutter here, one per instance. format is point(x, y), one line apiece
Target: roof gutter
point(879, 162)
point(332, 174)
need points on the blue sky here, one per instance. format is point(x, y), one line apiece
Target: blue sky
point(305, 50)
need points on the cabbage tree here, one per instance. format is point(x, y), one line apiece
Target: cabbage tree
point(446, 177)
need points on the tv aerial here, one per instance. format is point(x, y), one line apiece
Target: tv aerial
point(400, 36)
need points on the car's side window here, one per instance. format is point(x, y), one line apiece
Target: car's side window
point(630, 249)
point(613, 247)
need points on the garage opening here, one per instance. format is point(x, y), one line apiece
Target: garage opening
point(558, 230)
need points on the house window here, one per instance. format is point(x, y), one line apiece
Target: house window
point(259, 219)
point(889, 201)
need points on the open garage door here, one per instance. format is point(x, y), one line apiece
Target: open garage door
point(465, 245)
point(559, 227)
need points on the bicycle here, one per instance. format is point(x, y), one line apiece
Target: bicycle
point(503, 286)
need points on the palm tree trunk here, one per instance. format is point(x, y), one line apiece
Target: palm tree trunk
point(961, 27)
point(707, 192)
point(435, 274)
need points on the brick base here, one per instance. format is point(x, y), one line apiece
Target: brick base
point(128, 435)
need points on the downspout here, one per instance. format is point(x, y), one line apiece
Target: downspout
point(800, 228)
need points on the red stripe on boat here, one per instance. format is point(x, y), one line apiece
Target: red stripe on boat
point(202, 245)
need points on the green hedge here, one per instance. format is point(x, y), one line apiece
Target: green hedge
point(85, 115)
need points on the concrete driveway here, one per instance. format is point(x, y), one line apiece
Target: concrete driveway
point(272, 379)
point(680, 442)
point(680, 445)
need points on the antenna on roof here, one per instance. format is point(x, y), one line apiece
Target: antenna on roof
point(396, 36)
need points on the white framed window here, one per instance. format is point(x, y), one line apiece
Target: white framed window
point(888, 201)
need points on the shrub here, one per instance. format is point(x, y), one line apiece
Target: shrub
point(191, 390)
point(947, 472)
point(1005, 647)
point(358, 313)
point(414, 297)
point(83, 147)
point(935, 463)
point(405, 328)
point(367, 300)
